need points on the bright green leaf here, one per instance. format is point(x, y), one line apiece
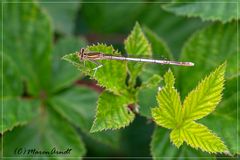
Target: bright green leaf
point(46, 132)
point(169, 113)
point(28, 44)
point(207, 49)
point(224, 10)
point(226, 116)
point(136, 44)
point(112, 75)
point(78, 106)
point(204, 98)
point(161, 147)
point(64, 73)
point(199, 136)
point(112, 112)
point(177, 137)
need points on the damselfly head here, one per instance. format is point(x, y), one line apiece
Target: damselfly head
point(81, 53)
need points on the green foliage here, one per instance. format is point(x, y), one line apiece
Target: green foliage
point(211, 46)
point(199, 103)
point(161, 147)
point(32, 114)
point(78, 107)
point(112, 112)
point(70, 75)
point(33, 23)
point(136, 44)
point(114, 72)
point(112, 109)
point(41, 134)
point(62, 15)
point(47, 103)
point(224, 11)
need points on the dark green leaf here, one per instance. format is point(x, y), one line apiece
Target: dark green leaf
point(17, 112)
point(224, 10)
point(64, 73)
point(45, 133)
point(63, 15)
point(28, 44)
point(136, 44)
point(11, 82)
point(78, 106)
point(209, 48)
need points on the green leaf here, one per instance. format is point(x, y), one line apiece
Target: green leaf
point(16, 111)
point(151, 82)
point(45, 133)
point(64, 73)
point(109, 20)
point(161, 147)
point(226, 116)
point(204, 98)
point(136, 44)
point(78, 105)
point(168, 115)
point(223, 11)
point(209, 48)
point(177, 137)
point(147, 96)
point(63, 15)
point(112, 75)
point(112, 112)
point(11, 85)
point(199, 136)
point(29, 43)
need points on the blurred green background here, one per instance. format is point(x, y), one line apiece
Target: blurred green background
point(49, 103)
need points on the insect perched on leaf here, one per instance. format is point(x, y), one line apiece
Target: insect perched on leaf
point(92, 56)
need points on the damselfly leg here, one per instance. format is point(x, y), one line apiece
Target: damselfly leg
point(99, 65)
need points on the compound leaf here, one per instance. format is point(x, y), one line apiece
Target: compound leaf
point(112, 112)
point(161, 147)
point(204, 98)
point(224, 11)
point(168, 114)
point(112, 75)
point(136, 44)
point(199, 136)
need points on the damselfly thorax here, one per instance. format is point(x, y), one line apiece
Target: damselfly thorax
point(93, 56)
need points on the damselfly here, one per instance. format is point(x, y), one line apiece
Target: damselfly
point(93, 56)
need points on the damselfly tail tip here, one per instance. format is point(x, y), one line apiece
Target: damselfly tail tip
point(190, 64)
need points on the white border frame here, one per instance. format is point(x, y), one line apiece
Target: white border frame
point(237, 2)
